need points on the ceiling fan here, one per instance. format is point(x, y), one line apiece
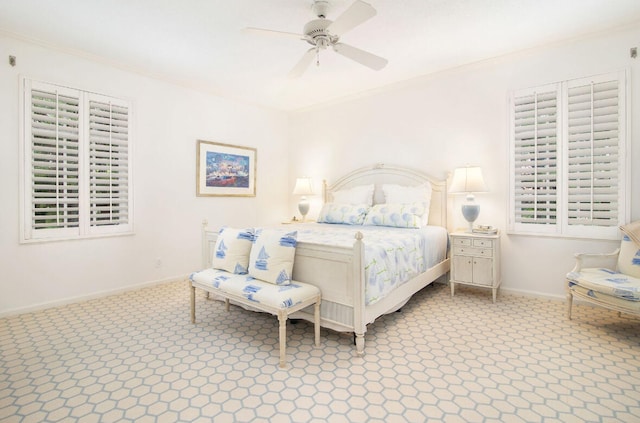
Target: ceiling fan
point(322, 33)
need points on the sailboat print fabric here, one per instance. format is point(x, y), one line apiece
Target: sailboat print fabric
point(232, 250)
point(272, 255)
point(255, 290)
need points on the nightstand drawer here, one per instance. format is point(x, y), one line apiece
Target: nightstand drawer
point(462, 241)
point(471, 251)
point(485, 243)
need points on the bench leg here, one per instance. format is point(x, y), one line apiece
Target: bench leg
point(282, 319)
point(316, 322)
point(193, 304)
point(226, 304)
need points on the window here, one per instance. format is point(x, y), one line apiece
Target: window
point(569, 167)
point(76, 179)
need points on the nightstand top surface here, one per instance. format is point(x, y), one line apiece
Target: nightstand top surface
point(475, 234)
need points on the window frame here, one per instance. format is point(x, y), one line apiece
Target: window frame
point(562, 227)
point(85, 229)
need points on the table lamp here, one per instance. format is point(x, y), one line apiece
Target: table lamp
point(468, 180)
point(303, 188)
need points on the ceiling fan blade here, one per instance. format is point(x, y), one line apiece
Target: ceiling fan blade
point(363, 57)
point(303, 63)
point(272, 33)
point(356, 14)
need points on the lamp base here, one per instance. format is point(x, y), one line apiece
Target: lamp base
point(303, 207)
point(470, 213)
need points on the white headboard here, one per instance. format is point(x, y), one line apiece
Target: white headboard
point(380, 173)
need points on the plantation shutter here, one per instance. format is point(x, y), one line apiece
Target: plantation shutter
point(75, 163)
point(568, 162)
point(108, 162)
point(535, 150)
point(54, 129)
point(593, 146)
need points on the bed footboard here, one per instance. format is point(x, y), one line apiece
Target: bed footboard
point(339, 272)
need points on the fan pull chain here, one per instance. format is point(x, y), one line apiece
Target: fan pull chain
point(318, 56)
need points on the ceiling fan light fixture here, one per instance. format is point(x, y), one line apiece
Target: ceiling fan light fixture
point(320, 8)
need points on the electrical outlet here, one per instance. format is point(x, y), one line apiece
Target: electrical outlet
point(158, 262)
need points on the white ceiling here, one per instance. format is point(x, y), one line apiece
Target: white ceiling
point(200, 43)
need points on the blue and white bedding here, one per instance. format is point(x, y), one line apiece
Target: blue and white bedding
point(392, 256)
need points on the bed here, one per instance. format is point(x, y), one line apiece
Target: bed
point(339, 270)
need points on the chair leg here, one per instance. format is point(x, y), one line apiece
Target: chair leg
point(193, 304)
point(282, 319)
point(569, 303)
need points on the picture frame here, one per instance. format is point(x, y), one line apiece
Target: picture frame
point(225, 170)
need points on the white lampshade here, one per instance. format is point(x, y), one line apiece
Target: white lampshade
point(303, 187)
point(467, 180)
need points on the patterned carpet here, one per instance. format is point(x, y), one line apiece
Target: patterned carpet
point(136, 357)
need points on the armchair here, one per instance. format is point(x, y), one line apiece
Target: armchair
point(610, 280)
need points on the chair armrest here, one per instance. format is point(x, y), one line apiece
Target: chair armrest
point(606, 260)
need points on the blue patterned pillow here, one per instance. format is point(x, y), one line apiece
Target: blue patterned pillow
point(232, 249)
point(629, 257)
point(272, 254)
point(396, 215)
point(348, 214)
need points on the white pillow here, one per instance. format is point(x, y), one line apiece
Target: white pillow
point(396, 215)
point(362, 194)
point(398, 194)
point(232, 249)
point(272, 254)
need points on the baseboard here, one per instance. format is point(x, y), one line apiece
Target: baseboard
point(534, 294)
point(80, 298)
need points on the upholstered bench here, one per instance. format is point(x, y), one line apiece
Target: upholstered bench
point(253, 268)
point(279, 300)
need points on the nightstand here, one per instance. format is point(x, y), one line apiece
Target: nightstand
point(475, 260)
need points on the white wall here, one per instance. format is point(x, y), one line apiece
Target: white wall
point(168, 119)
point(435, 123)
point(443, 121)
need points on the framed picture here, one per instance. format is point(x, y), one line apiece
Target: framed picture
point(225, 170)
